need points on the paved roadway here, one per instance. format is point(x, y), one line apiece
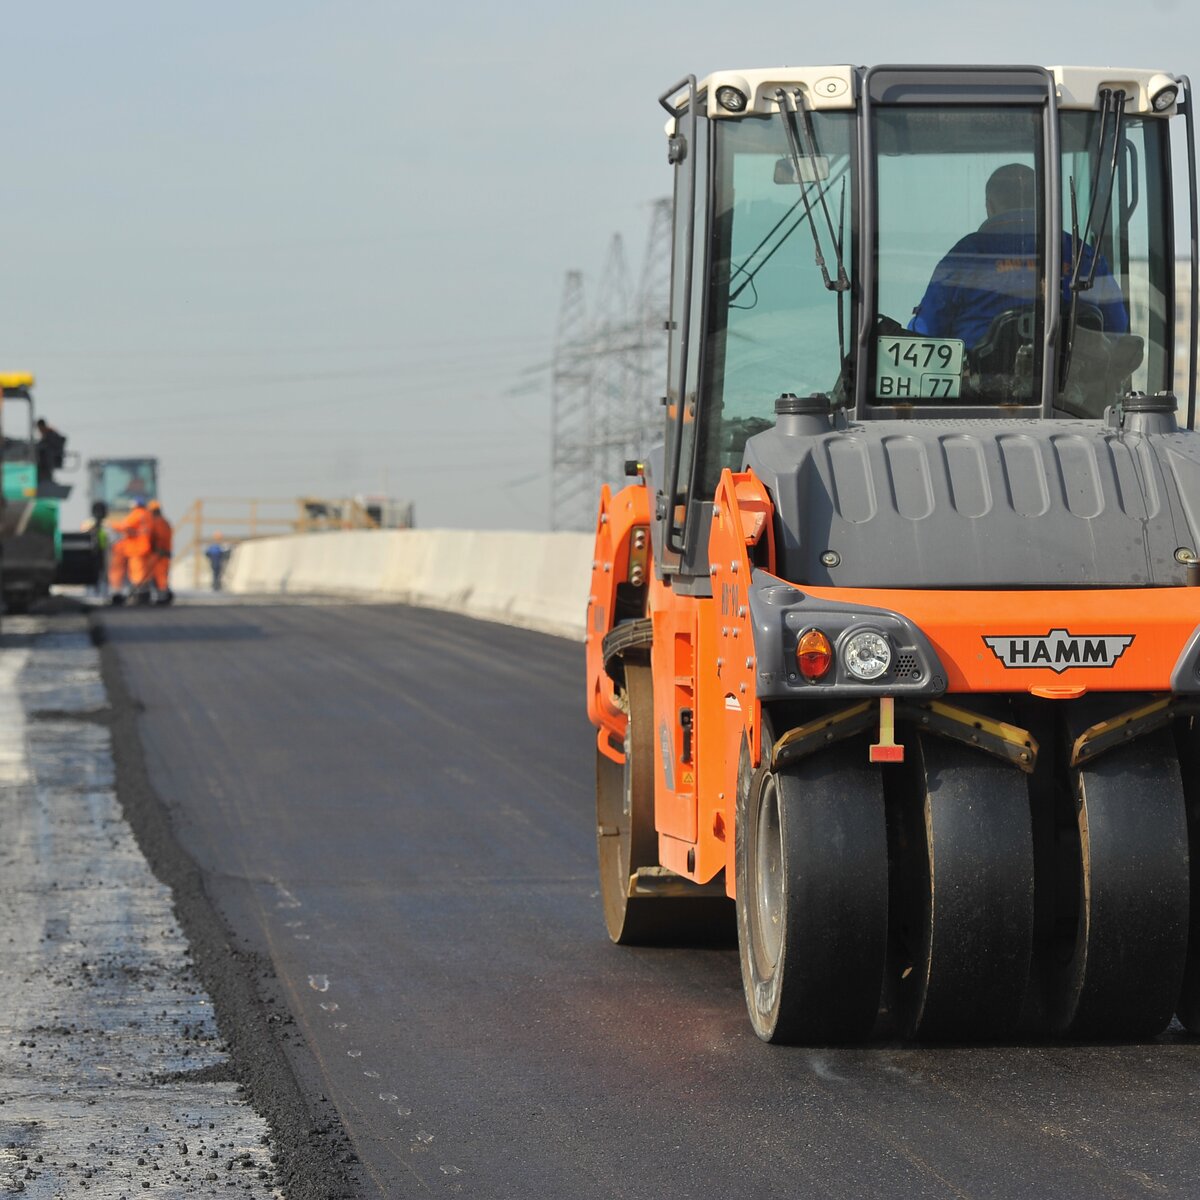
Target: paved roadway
point(395, 806)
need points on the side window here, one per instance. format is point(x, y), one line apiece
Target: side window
point(679, 298)
point(687, 313)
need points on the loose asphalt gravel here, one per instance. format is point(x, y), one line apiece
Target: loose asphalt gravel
point(114, 1080)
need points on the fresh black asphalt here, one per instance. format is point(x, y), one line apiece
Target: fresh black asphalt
point(390, 810)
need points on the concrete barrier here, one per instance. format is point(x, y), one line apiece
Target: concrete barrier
point(534, 580)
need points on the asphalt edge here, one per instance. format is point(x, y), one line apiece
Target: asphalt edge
point(315, 1156)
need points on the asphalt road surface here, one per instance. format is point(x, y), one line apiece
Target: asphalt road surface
point(395, 806)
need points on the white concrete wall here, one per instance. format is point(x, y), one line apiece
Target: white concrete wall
point(535, 580)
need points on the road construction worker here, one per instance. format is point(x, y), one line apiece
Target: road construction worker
point(129, 557)
point(160, 553)
point(217, 554)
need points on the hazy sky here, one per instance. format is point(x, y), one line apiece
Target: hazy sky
point(315, 248)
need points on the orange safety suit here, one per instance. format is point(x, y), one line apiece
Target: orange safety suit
point(131, 554)
point(160, 550)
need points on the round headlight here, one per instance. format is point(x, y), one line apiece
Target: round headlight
point(1164, 91)
point(866, 655)
point(731, 99)
point(1165, 99)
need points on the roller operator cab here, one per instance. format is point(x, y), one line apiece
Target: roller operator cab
point(116, 484)
point(894, 643)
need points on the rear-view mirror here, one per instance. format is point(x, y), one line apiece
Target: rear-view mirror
point(812, 168)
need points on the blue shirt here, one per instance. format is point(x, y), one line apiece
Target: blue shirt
point(995, 269)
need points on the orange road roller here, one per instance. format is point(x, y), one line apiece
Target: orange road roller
point(894, 640)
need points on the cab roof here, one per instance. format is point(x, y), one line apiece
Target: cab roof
point(838, 87)
point(15, 382)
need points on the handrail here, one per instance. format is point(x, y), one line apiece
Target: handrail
point(231, 520)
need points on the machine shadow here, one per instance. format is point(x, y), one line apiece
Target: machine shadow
point(141, 628)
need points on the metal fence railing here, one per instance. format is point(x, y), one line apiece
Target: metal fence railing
point(226, 521)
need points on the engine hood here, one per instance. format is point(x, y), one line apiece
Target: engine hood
point(981, 504)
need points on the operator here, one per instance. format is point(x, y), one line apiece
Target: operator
point(129, 557)
point(161, 540)
point(995, 269)
point(51, 447)
point(136, 491)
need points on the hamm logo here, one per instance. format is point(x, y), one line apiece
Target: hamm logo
point(1059, 650)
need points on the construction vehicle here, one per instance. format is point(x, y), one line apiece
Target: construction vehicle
point(30, 534)
point(115, 485)
point(894, 644)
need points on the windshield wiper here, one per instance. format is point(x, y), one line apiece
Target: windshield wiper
point(841, 271)
point(840, 285)
point(788, 116)
point(838, 239)
point(1111, 104)
point(843, 280)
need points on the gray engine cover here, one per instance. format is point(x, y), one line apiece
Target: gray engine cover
point(974, 504)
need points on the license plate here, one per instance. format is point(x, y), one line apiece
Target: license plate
point(913, 368)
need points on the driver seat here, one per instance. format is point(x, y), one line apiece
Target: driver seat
point(1012, 329)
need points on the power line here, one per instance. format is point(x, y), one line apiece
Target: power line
point(608, 373)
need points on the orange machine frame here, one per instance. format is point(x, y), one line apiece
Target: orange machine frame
point(703, 656)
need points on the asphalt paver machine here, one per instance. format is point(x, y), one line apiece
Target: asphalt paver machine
point(894, 643)
point(30, 529)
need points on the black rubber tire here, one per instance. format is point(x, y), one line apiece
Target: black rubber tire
point(626, 840)
point(1187, 742)
point(812, 895)
point(1117, 968)
point(962, 894)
